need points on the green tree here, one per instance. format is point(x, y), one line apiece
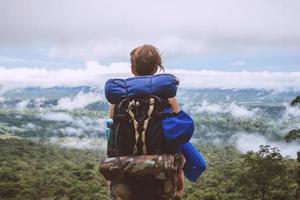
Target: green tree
point(265, 175)
point(292, 136)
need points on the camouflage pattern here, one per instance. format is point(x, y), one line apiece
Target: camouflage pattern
point(161, 167)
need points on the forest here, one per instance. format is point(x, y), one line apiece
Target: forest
point(38, 170)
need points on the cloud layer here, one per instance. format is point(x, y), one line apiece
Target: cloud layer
point(234, 109)
point(84, 143)
point(81, 100)
point(94, 74)
point(251, 142)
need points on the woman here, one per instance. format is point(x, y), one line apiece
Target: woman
point(146, 60)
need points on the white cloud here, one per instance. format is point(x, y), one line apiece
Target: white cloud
point(94, 74)
point(110, 29)
point(29, 126)
point(15, 129)
point(81, 100)
point(240, 111)
point(2, 99)
point(234, 109)
point(206, 107)
point(244, 79)
point(251, 142)
point(80, 125)
point(70, 131)
point(22, 105)
point(38, 102)
point(291, 111)
point(57, 116)
point(84, 143)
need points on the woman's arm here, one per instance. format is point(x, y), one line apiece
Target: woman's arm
point(174, 105)
point(111, 111)
point(110, 115)
point(180, 176)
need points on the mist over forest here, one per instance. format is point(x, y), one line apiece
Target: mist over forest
point(62, 124)
point(244, 118)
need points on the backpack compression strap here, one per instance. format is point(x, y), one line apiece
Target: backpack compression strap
point(136, 124)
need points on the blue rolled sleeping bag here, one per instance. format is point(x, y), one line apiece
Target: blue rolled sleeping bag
point(178, 128)
point(195, 163)
point(161, 85)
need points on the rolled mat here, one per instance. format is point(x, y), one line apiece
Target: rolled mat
point(160, 167)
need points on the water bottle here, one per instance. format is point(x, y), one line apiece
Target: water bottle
point(109, 124)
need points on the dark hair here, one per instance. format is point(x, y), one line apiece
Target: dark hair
point(145, 60)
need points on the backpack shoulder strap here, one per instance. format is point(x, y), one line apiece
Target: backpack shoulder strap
point(145, 125)
point(137, 124)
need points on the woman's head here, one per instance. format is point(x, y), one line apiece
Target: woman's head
point(145, 60)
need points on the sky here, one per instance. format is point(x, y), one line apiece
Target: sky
point(231, 35)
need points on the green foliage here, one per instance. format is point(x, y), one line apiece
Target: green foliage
point(30, 170)
point(219, 180)
point(292, 135)
point(266, 175)
point(232, 176)
point(295, 101)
